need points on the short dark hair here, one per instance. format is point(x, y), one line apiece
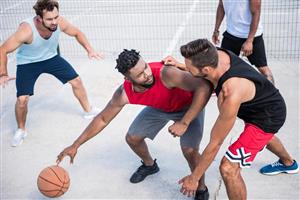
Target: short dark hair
point(47, 5)
point(127, 60)
point(201, 52)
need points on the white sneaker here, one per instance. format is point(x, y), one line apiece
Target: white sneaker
point(89, 115)
point(18, 137)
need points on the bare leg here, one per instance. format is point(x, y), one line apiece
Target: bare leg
point(235, 185)
point(192, 156)
point(139, 146)
point(80, 93)
point(276, 147)
point(265, 70)
point(21, 109)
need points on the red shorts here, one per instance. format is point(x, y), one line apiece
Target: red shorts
point(251, 141)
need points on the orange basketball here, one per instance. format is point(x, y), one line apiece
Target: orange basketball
point(53, 181)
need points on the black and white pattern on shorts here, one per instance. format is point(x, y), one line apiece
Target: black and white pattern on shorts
point(240, 158)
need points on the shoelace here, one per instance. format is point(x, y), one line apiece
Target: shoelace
point(275, 164)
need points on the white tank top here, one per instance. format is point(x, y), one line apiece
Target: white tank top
point(238, 18)
point(40, 49)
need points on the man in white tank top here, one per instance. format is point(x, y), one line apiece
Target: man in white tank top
point(244, 32)
point(37, 40)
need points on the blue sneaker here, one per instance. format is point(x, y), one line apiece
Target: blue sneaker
point(278, 167)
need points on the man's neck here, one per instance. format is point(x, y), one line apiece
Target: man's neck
point(43, 31)
point(139, 88)
point(223, 66)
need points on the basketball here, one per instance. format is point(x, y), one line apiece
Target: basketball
point(53, 181)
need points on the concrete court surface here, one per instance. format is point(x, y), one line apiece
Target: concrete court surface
point(103, 165)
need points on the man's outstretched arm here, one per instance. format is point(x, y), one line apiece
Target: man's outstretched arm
point(114, 106)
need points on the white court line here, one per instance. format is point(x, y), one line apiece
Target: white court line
point(181, 28)
point(1, 137)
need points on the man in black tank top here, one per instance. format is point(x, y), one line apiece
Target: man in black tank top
point(245, 93)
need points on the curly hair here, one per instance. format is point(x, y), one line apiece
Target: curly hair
point(127, 60)
point(201, 52)
point(47, 5)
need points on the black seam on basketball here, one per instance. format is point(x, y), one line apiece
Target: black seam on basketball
point(49, 181)
point(61, 188)
point(58, 193)
point(55, 174)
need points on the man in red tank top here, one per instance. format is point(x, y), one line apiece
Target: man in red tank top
point(168, 94)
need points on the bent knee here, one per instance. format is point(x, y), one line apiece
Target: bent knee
point(228, 168)
point(133, 139)
point(189, 152)
point(22, 101)
point(76, 82)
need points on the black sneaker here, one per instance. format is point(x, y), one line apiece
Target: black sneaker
point(143, 171)
point(202, 194)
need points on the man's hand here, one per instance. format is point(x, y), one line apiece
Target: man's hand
point(247, 48)
point(189, 186)
point(93, 54)
point(4, 79)
point(215, 37)
point(169, 60)
point(178, 128)
point(69, 151)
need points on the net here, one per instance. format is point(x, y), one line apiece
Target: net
point(157, 27)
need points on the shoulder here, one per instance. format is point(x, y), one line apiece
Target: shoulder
point(24, 32)
point(238, 88)
point(120, 96)
point(171, 72)
point(63, 23)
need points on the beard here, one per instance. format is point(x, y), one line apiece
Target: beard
point(147, 86)
point(49, 28)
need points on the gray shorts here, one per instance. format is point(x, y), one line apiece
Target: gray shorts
point(150, 121)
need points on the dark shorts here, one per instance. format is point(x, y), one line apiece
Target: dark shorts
point(251, 141)
point(150, 121)
point(27, 74)
point(234, 44)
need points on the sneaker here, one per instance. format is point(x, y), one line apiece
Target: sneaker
point(143, 171)
point(18, 137)
point(90, 115)
point(202, 194)
point(278, 167)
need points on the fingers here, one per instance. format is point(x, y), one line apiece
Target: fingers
point(71, 159)
point(60, 157)
point(169, 60)
point(97, 56)
point(246, 53)
point(170, 129)
point(5, 79)
point(181, 181)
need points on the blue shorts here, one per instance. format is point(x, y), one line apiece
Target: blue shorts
point(150, 121)
point(27, 74)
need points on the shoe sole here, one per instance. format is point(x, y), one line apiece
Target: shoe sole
point(295, 171)
point(21, 141)
point(15, 145)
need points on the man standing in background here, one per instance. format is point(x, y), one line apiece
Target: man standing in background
point(244, 32)
point(37, 40)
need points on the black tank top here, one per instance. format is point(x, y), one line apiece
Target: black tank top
point(267, 109)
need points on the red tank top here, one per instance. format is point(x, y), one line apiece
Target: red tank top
point(159, 96)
